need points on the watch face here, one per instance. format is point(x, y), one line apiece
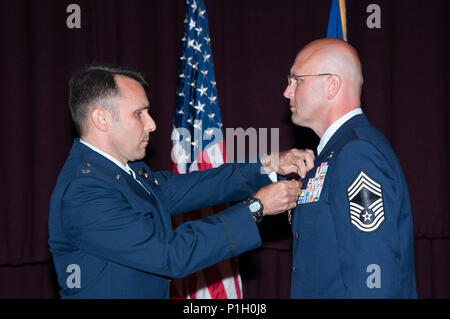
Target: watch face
point(254, 207)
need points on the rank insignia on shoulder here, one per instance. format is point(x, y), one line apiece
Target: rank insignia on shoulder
point(366, 203)
point(314, 187)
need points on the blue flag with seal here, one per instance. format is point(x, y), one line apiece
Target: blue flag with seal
point(337, 22)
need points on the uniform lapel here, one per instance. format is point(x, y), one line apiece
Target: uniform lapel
point(147, 178)
point(357, 120)
point(114, 174)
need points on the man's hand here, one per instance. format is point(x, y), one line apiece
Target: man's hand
point(292, 161)
point(279, 197)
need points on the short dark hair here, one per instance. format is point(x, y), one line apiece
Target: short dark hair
point(95, 83)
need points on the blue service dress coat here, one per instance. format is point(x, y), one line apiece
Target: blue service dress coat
point(353, 230)
point(120, 238)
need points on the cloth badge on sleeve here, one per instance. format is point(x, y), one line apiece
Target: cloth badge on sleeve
point(314, 187)
point(366, 203)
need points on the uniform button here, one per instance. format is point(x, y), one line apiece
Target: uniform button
point(296, 235)
point(293, 268)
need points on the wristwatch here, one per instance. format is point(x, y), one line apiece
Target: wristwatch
point(256, 208)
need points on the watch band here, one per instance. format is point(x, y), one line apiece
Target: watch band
point(256, 208)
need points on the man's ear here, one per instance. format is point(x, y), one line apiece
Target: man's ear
point(100, 118)
point(334, 85)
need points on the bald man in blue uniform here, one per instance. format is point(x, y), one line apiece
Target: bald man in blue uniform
point(353, 230)
point(110, 230)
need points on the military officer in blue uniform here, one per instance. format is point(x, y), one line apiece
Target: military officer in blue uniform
point(110, 230)
point(353, 230)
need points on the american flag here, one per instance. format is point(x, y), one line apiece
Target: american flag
point(198, 144)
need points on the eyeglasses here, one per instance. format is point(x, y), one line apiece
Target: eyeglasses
point(296, 77)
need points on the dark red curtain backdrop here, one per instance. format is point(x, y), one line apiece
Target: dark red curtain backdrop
point(406, 96)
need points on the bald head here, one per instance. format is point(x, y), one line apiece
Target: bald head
point(331, 87)
point(336, 56)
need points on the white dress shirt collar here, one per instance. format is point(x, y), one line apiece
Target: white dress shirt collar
point(334, 127)
point(126, 168)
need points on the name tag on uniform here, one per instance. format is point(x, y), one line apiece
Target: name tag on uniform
point(314, 187)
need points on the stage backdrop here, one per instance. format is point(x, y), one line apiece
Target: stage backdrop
point(406, 96)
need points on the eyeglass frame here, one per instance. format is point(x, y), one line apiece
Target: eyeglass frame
point(296, 77)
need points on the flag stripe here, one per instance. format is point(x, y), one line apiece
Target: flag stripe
point(237, 279)
point(337, 21)
point(197, 120)
point(343, 19)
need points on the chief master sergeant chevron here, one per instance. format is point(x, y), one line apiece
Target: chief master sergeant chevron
point(353, 231)
point(110, 217)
